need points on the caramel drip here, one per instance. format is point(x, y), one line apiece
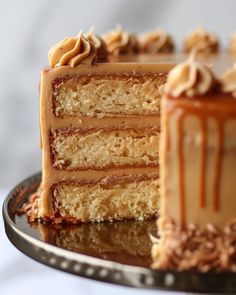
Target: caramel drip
point(180, 149)
point(202, 199)
point(164, 147)
point(221, 110)
point(218, 164)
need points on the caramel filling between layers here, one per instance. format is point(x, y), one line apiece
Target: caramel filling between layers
point(219, 109)
point(81, 149)
point(107, 95)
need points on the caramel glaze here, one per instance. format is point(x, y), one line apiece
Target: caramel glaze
point(181, 167)
point(221, 107)
point(109, 181)
point(202, 199)
point(218, 164)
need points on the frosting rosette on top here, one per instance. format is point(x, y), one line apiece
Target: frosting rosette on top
point(189, 78)
point(228, 81)
point(121, 42)
point(232, 43)
point(201, 40)
point(72, 51)
point(102, 52)
point(157, 42)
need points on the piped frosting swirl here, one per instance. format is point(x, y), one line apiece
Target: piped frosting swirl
point(72, 51)
point(102, 52)
point(202, 41)
point(228, 81)
point(121, 42)
point(189, 78)
point(232, 43)
point(157, 42)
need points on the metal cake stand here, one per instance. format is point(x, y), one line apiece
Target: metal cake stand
point(101, 261)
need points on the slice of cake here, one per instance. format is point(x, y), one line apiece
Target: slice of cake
point(100, 135)
point(198, 171)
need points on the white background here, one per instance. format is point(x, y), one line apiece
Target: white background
point(27, 30)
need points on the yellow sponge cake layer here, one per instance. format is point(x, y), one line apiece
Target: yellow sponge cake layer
point(113, 94)
point(103, 148)
point(108, 199)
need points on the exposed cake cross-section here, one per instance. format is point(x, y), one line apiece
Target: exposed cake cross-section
point(100, 136)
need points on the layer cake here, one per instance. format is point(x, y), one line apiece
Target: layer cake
point(100, 129)
point(100, 135)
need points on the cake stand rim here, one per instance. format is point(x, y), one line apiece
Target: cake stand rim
point(97, 268)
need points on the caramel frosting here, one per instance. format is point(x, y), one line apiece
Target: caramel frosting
point(100, 45)
point(189, 78)
point(72, 51)
point(121, 42)
point(157, 42)
point(228, 81)
point(201, 40)
point(232, 43)
point(194, 248)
